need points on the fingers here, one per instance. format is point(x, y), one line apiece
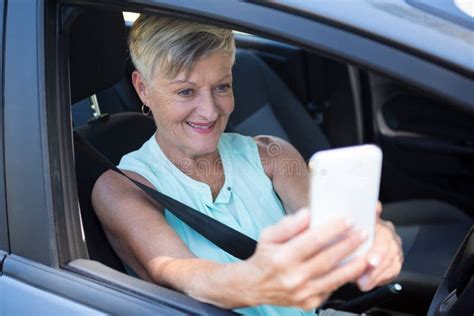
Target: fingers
point(384, 260)
point(313, 301)
point(300, 266)
point(316, 291)
point(384, 273)
point(343, 274)
point(372, 277)
point(321, 264)
point(287, 228)
point(378, 208)
point(333, 280)
point(312, 241)
point(331, 256)
point(386, 242)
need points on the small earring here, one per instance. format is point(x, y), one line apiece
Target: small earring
point(145, 110)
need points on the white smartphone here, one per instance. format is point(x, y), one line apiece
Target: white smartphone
point(345, 184)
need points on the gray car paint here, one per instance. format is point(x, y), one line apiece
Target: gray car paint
point(398, 22)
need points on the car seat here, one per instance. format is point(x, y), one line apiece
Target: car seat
point(431, 230)
point(93, 68)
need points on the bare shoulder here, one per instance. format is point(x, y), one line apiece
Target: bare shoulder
point(111, 180)
point(112, 187)
point(273, 151)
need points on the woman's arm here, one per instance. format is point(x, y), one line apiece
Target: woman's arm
point(140, 235)
point(287, 169)
point(292, 266)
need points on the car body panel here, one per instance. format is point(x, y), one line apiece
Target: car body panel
point(400, 23)
point(61, 291)
point(146, 290)
point(27, 171)
point(4, 242)
point(39, 301)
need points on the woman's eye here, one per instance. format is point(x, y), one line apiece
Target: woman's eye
point(223, 87)
point(186, 92)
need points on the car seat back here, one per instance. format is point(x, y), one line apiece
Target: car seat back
point(112, 137)
point(97, 59)
point(264, 105)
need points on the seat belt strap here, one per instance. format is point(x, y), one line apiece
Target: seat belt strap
point(223, 236)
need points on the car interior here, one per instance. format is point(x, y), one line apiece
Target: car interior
point(315, 102)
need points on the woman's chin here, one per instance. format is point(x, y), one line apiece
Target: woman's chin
point(198, 146)
point(203, 147)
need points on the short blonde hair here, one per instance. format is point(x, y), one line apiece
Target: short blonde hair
point(172, 45)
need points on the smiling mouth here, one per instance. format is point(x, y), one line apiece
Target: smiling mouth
point(201, 127)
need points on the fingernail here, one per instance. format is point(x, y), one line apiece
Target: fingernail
point(374, 260)
point(363, 280)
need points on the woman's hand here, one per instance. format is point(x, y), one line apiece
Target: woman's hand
point(385, 258)
point(297, 266)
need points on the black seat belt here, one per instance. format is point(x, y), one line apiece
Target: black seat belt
point(223, 236)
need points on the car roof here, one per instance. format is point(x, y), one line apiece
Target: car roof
point(436, 36)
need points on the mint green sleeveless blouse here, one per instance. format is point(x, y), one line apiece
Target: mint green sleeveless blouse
point(246, 202)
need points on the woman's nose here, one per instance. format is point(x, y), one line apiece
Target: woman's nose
point(208, 107)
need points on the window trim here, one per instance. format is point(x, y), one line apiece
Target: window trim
point(4, 239)
point(30, 216)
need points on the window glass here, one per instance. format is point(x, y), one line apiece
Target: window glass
point(466, 6)
point(130, 17)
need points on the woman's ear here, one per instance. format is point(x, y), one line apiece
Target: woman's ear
point(140, 86)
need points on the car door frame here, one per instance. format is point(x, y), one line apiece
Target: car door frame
point(4, 240)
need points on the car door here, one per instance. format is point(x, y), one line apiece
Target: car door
point(428, 144)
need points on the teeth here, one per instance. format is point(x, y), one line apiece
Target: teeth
point(199, 126)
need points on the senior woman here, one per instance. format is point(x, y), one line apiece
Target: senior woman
point(184, 78)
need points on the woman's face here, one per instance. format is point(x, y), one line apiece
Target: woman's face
point(191, 113)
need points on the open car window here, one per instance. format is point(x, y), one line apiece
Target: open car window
point(330, 85)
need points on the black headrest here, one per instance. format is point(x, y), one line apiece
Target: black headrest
point(97, 52)
point(118, 134)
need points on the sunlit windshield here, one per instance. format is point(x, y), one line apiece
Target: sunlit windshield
point(130, 17)
point(466, 6)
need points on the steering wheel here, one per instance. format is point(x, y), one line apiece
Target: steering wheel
point(455, 293)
